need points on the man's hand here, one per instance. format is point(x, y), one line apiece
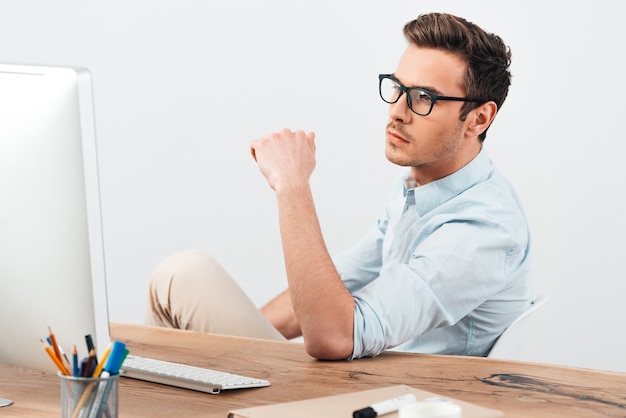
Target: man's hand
point(285, 158)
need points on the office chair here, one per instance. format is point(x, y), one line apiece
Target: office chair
point(509, 345)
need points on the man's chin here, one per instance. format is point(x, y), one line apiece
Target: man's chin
point(394, 156)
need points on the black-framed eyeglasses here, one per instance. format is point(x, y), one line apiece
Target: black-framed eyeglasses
point(419, 100)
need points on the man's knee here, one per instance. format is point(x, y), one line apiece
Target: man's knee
point(188, 268)
point(176, 282)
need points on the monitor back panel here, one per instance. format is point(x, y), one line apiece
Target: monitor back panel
point(51, 251)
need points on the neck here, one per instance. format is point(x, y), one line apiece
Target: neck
point(427, 172)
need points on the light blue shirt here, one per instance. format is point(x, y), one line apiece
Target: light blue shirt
point(446, 268)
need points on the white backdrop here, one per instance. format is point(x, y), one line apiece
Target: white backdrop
point(181, 87)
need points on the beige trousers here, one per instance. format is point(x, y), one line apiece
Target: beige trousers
point(191, 291)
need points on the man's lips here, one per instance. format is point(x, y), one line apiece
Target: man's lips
point(395, 136)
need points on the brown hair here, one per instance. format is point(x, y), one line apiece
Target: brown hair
point(488, 59)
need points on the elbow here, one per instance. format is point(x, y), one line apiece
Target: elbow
point(330, 347)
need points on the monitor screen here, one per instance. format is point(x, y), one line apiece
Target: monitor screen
point(52, 271)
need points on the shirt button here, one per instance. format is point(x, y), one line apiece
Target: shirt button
point(411, 208)
point(393, 255)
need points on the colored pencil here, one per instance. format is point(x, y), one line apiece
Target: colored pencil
point(54, 358)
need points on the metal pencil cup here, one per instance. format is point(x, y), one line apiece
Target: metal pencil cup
point(84, 397)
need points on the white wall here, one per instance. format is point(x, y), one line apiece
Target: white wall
point(181, 88)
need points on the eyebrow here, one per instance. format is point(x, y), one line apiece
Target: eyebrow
point(431, 89)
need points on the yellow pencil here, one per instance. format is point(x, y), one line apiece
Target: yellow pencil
point(54, 358)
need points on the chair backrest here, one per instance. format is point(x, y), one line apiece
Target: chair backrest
point(509, 345)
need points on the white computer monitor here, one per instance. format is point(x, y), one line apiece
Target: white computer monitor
point(52, 270)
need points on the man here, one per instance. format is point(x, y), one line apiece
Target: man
point(446, 268)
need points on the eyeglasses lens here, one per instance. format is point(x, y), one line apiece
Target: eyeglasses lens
point(420, 101)
point(389, 90)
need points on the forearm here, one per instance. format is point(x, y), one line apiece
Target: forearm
point(279, 311)
point(322, 304)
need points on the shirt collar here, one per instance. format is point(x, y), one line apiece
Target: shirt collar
point(439, 191)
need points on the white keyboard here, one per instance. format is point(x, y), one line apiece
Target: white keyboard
point(185, 376)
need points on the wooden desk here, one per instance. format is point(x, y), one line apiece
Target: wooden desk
point(518, 389)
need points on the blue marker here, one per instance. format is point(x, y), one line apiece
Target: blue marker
point(114, 362)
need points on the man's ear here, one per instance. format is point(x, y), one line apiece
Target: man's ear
point(480, 118)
